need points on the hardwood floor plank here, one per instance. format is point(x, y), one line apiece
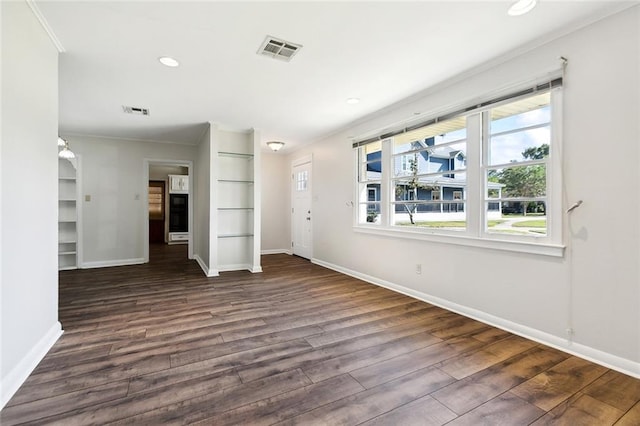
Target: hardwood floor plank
point(550, 388)
point(616, 389)
point(160, 343)
point(354, 360)
point(371, 403)
point(472, 362)
point(581, 410)
point(29, 412)
point(424, 411)
point(631, 417)
point(473, 391)
point(221, 400)
point(376, 373)
point(506, 409)
point(289, 404)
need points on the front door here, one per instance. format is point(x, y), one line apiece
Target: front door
point(301, 215)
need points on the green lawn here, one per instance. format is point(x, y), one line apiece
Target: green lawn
point(531, 224)
point(448, 224)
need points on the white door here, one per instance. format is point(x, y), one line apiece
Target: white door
point(301, 214)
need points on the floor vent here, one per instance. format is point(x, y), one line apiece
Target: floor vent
point(135, 110)
point(278, 49)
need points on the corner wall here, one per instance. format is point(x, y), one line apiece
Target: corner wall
point(29, 192)
point(595, 289)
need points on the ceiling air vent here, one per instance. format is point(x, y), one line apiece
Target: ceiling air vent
point(135, 110)
point(278, 49)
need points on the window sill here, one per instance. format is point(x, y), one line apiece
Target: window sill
point(543, 249)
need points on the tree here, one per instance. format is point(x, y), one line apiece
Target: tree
point(526, 181)
point(411, 188)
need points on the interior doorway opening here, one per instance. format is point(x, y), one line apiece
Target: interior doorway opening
point(168, 218)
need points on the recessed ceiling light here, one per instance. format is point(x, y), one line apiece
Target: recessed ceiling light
point(353, 101)
point(521, 7)
point(168, 61)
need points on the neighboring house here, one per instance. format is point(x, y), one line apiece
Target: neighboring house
point(446, 191)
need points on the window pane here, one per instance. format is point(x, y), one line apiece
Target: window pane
point(370, 162)
point(434, 202)
point(517, 218)
point(520, 130)
point(435, 134)
point(518, 182)
point(433, 160)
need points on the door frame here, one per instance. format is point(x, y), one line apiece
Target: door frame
point(146, 163)
point(294, 163)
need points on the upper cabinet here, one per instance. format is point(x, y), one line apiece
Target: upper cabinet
point(178, 184)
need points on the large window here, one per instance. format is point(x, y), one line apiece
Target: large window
point(487, 174)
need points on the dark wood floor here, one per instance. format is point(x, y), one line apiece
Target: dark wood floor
point(298, 344)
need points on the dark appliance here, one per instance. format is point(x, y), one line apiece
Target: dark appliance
point(178, 213)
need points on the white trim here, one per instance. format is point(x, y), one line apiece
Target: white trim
point(17, 376)
point(45, 25)
point(207, 271)
point(276, 251)
point(110, 263)
point(238, 267)
point(597, 356)
point(554, 250)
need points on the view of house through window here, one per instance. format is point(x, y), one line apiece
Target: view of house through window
point(421, 178)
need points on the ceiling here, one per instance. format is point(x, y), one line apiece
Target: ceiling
point(379, 52)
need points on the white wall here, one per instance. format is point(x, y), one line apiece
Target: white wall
point(29, 189)
point(276, 201)
point(595, 288)
point(202, 191)
point(113, 176)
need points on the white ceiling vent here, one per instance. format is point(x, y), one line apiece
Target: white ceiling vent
point(278, 49)
point(135, 110)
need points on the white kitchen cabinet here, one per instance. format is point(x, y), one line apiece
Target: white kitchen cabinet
point(178, 184)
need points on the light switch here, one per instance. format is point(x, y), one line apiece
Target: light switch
point(87, 197)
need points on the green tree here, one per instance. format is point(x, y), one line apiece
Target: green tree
point(526, 181)
point(410, 189)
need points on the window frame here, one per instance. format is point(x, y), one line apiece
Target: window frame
point(475, 193)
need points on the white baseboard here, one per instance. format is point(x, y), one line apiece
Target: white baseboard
point(207, 271)
point(110, 263)
point(276, 251)
point(597, 356)
point(16, 377)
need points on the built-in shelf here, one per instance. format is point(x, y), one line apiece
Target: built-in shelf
point(67, 215)
point(237, 200)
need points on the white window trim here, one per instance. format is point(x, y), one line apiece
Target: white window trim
point(475, 234)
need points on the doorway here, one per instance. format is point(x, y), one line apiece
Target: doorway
point(157, 211)
point(157, 230)
point(301, 212)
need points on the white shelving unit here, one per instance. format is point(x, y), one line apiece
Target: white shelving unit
point(67, 214)
point(237, 201)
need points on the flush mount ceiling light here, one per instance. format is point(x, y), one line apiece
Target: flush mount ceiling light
point(168, 61)
point(521, 7)
point(275, 145)
point(65, 153)
point(353, 101)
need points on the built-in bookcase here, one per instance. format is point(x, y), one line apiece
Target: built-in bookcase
point(236, 200)
point(67, 214)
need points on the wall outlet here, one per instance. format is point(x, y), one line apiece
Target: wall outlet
point(418, 268)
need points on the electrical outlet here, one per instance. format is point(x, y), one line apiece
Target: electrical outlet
point(418, 268)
